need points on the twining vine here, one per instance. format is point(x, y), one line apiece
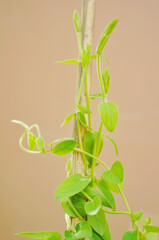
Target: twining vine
point(87, 197)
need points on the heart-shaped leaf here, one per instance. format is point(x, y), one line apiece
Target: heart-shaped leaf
point(71, 186)
point(42, 235)
point(115, 174)
point(64, 147)
point(98, 222)
point(93, 207)
point(109, 115)
point(83, 230)
point(107, 194)
point(130, 235)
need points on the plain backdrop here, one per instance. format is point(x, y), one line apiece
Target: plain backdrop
point(34, 34)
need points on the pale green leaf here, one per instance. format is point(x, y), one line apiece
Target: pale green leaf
point(98, 222)
point(41, 235)
point(83, 109)
point(96, 95)
point(105, 35)
point(109, 115)
point(68, 118)
point(76, 21)
point(94, 56)
point(83, 230)
point(64, 147)
point(69, 61)
point(115, 174)
point(151, 228)
point(93, 207)
point(151, 236)
point(130, 235)
point(31, 140)
point(40, 143)
point(71, 186)
point(81, 118)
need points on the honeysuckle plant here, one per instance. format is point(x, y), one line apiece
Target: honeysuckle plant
point(89, 198)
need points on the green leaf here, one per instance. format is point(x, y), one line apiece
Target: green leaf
point(40, 144)
point(115, 174)
point(86, 56)
point(152, 236)
point(95, 236)
point(106, 235)
point(107, 194)
point(81, 118)
point(89, 145)
point(96, 95)
point(94, 56)
point(98, 222)
point(98, 145)
point(64, 147)
point(106, 80)
point(78, 203)
point(92, 193)
point(93, 207)
point(31, 140)
point(130, 235)
point(83, 109)
point(69, 61)
point(68, 118)
point(83, 230)
point(137, 216)
point(105, 35)
point(67, 209)
point(151, 228)
point(109, 115)
point(76, 21)
point(42, 235)
point(113, 142)
point(71, 186)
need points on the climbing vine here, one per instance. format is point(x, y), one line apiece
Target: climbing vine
point(88, 197)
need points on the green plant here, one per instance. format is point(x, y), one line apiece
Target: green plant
point(87, 197)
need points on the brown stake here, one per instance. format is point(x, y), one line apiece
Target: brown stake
point(88, 15)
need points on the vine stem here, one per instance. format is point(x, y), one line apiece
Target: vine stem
point(88, 100)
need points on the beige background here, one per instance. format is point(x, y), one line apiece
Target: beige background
point(33, 35)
